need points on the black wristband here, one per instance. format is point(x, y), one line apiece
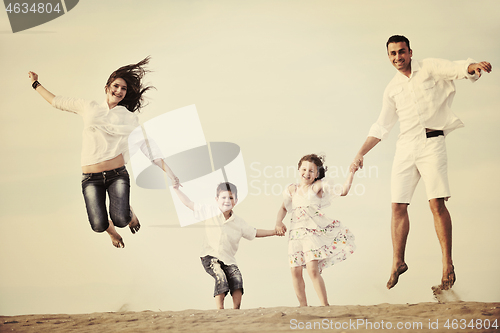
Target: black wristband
point(36, 84)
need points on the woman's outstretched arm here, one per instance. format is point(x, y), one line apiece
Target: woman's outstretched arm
point(161, 163)
point(47, 95)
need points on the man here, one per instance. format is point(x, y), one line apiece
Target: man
point(420, 96)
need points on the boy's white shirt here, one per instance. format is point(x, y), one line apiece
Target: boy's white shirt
point(222, 236)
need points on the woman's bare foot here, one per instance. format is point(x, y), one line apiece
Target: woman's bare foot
point(448, 279)
point(116, 239)
point(393, 280)
point(134, 225)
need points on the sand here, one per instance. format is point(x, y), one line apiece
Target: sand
point(422, 317)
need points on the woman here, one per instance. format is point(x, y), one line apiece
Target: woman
point(105, 147)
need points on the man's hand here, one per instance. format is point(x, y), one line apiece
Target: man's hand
point(356, 164)
point(478, 67)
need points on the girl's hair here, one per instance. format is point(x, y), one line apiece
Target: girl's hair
point(132, 74)
point(318, 160)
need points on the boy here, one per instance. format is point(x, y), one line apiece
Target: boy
point(223, 233)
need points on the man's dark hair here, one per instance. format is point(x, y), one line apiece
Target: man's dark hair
point(398, 39)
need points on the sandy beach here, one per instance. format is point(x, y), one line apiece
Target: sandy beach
point(424, 317)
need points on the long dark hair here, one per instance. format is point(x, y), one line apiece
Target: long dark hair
point(318, 160)
point(132, 74)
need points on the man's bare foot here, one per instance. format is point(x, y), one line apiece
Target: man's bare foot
point(134, 224)
point(393, 280)
point(116, 239)
point(448, 279)
point(445, 296)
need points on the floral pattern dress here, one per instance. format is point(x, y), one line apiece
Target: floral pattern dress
point(312, 235)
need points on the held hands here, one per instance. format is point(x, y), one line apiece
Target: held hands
point(280, 229)
point(356, 164)
point(177, 184)
point(478, 67)
point(175, 180)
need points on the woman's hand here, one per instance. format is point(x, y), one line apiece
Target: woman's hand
point(33, 76)
point(47, 95)
point(177, 184)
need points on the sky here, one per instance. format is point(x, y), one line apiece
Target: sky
point(281, 79)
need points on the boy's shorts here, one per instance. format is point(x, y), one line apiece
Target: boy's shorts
point(429, 161)
point(227, 277)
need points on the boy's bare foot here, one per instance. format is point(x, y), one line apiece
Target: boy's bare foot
point(393, 280)
point(134, 225)
point(116, 239)
point(448, 278)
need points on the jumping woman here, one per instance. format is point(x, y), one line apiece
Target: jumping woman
point(106, 127)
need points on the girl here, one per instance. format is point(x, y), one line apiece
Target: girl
point(106, 127)
point(315, 241)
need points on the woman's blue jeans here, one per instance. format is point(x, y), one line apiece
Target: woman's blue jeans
point(94, 187)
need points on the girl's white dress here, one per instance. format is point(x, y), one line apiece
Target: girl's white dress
point(312, 235)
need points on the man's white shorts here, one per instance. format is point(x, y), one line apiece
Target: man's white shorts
point(427, 160)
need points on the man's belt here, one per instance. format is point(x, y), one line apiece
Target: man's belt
point(434, 133)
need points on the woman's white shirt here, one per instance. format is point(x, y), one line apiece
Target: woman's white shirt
point(105, 131)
